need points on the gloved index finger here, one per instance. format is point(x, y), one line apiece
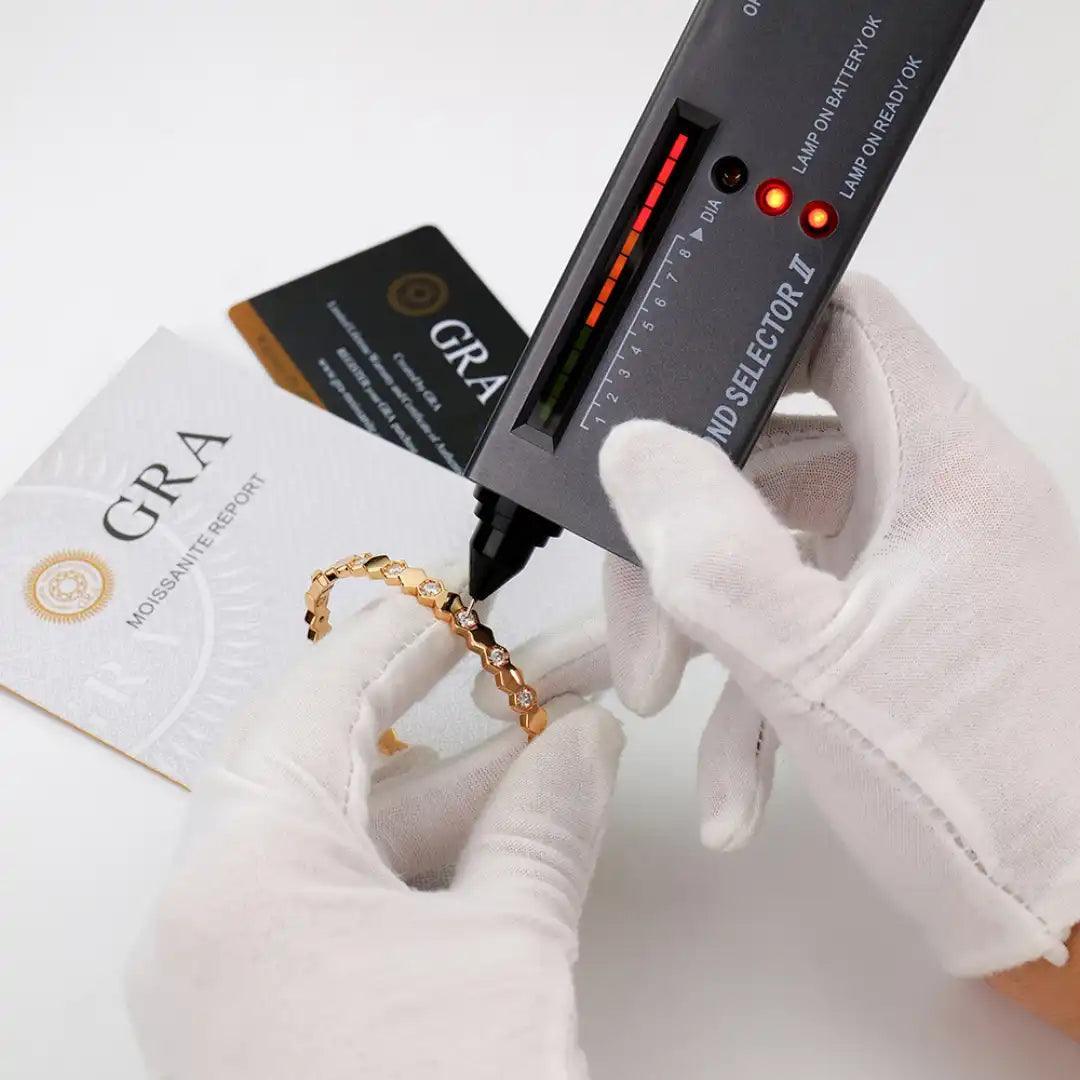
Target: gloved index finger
point(315, 734)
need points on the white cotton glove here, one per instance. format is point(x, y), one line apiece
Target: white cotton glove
point(287, 945)
point(895, 597)
point(919, 658)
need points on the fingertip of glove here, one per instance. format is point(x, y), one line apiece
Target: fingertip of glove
point(857, 285)
point(647, 654)
point(724, 836)
point(629, 451)
point(593, 730)
point(642, 455)
point(649, 687)
point(564, 706)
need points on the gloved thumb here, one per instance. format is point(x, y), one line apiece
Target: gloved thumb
point(535, 846)
point(722, 564)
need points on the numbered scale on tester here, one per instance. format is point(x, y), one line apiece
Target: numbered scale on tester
point(637, 344)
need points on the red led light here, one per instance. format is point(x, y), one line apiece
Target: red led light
point(819, 220)
point(645, 214)
point(775, 197)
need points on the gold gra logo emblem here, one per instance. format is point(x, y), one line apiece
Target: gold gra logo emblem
point(418, 294)
point(69, 586)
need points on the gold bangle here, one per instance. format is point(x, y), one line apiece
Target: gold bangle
point(447, 607)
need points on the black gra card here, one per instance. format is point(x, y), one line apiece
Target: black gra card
point(404, 340)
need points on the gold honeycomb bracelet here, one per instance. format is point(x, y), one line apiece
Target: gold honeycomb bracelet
point(447, 607)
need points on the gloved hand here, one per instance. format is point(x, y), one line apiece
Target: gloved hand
point(915, 646)
point(287, 945)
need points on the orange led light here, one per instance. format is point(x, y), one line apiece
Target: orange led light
point(819, 220)
point(775, 197)
point(622, 262)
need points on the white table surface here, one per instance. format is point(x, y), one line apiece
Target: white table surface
point(161, 161)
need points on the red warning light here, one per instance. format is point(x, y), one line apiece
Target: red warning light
point(774, 197)
point(819, 220)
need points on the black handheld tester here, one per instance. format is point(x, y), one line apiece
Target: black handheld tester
point(750, 179)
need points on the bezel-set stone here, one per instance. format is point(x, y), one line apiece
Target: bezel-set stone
point(523, 698)
point(498, 656)
point(430, 588)
point(467, 620)
point(394, 569)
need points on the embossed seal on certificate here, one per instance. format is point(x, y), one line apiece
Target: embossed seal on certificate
point(69, 586)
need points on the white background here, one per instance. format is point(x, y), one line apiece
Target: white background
point(161, 161)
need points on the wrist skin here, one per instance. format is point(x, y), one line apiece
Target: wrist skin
point(1050, 993)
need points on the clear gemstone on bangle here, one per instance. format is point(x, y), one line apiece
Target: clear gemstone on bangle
point(430, 588)
point(523, 699)
point(498, 656)
point(394, 569)
point(467, 620)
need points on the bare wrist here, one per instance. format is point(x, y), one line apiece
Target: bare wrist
point(1050, 993)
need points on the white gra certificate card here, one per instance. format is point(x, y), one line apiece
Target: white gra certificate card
point(153, 562)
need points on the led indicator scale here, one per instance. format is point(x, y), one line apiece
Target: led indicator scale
point(639, 226)
point(629, 252)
